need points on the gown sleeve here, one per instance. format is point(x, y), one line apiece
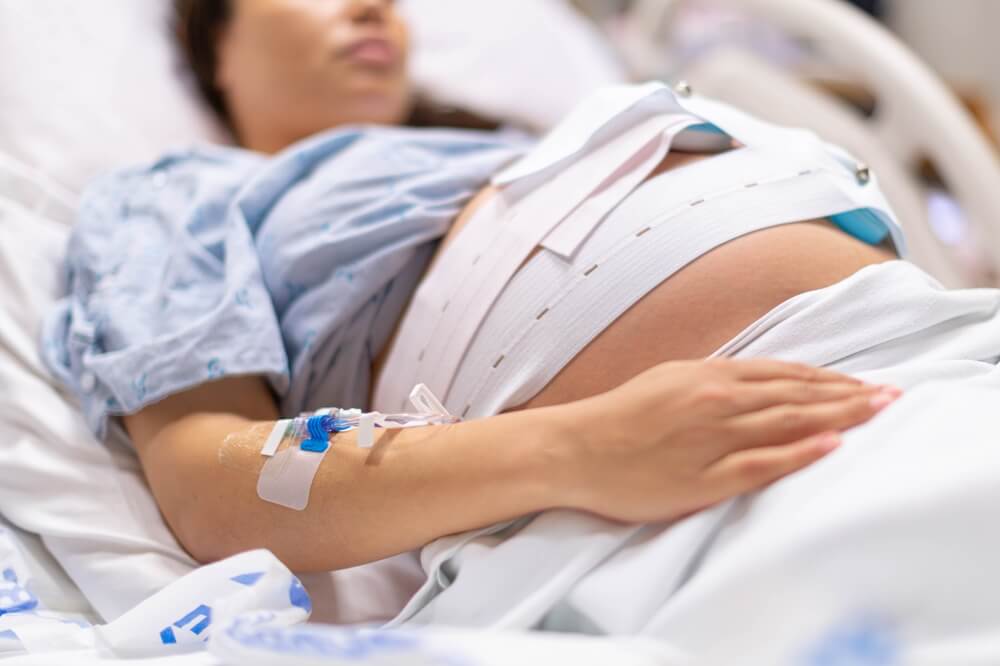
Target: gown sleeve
point(164, 288)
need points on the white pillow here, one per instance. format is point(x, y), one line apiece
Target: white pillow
point(89, 85)
point(85, 86)
point(523, 61)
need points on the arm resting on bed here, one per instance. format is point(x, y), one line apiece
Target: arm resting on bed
point(412, 487)
point(675, 439)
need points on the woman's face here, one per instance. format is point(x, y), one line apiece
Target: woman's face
point(291, 68)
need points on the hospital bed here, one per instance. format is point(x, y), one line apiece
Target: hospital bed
point(915, 115)
point(87, 503)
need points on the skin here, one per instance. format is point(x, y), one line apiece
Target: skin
point(294, 67)
point(623, 434)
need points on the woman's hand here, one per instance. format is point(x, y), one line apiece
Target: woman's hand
point(685, 436)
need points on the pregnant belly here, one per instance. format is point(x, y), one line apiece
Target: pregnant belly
point(701, 307)
point(704, 305)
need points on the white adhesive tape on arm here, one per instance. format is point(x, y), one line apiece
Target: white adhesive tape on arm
point(274, 440)
point(287, 478)
point(366, 431)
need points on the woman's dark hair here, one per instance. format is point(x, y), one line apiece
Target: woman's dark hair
point(197, 25)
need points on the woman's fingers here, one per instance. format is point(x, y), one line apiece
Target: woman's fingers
point(790, 423)
point(763, 370)
point(757, 396)
point(746, 471)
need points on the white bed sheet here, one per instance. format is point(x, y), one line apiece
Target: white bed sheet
point(49, 583)
point(60, 484)
point(85, 86)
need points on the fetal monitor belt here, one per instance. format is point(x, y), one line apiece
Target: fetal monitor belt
point(558, 201)
point(445, 315)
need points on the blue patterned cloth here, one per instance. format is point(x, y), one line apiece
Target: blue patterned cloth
point(219, 262)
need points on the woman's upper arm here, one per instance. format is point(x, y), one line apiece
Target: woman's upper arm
point(179, 441)
point(246, 398)
point(164, 295)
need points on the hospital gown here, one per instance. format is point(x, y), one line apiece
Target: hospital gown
point(219, 262)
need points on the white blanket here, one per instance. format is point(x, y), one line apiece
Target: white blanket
point(885, 551)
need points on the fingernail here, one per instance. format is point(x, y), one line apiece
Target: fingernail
point(829, 442)
point(891, 390)
point(882, 400)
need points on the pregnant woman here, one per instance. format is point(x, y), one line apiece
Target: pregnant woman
point(222, 287)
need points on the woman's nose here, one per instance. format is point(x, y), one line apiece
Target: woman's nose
point(370, 11)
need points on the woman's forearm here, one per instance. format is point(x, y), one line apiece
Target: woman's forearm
point(675, 439)
point(411, 488)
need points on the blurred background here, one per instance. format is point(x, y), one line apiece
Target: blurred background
point(793, 52)
point(955, 37)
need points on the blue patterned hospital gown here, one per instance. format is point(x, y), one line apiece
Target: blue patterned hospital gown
point(219, 262)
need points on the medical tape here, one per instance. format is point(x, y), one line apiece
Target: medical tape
point(287, 477)
point(245, 450)
point(278, 433)
point(447, 314)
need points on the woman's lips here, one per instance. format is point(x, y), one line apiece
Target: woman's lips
point(372, 51)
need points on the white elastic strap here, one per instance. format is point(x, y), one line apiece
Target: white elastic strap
point(604, 114)
point(287, 477)
point(568, 236)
